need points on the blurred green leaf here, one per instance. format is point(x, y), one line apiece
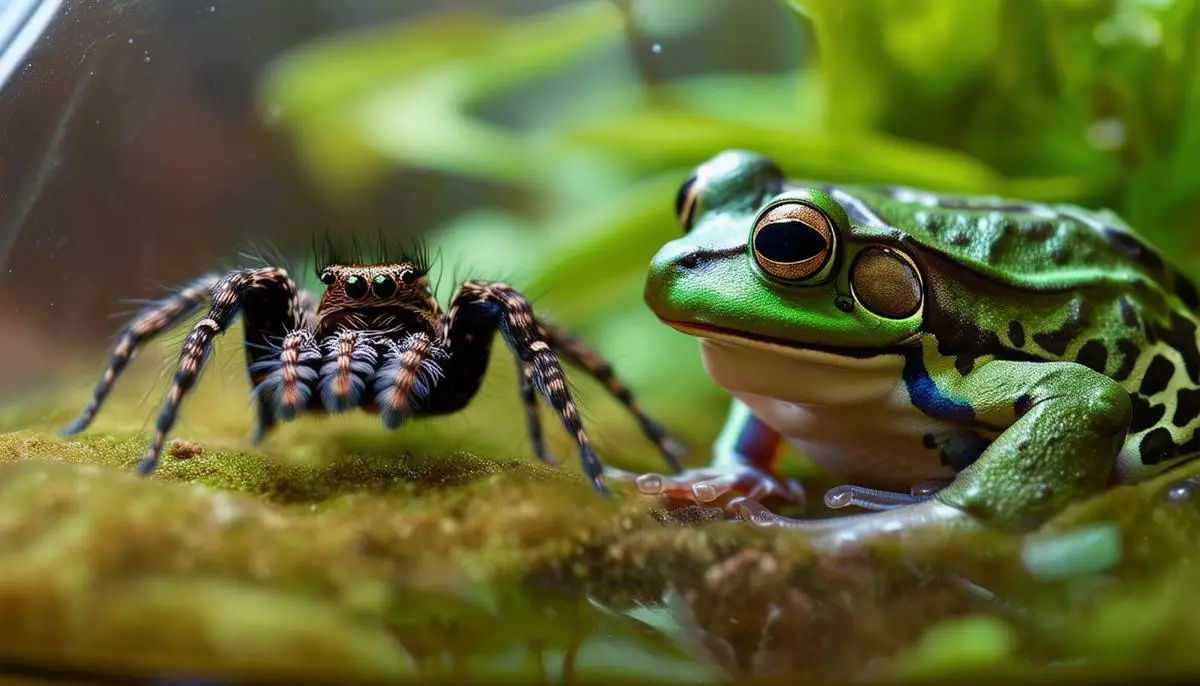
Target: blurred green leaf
point(363, 104)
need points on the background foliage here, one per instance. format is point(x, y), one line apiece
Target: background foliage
point(571, 129)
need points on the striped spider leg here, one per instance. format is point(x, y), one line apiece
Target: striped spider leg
point(270, 305)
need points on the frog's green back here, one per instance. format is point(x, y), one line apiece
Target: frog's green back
point(1026, 281)
point(1030, 246)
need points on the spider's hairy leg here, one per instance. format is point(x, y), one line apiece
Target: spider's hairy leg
point(477, 309)
point(153, 319)
point(406, 378)
point(350, 360)
point(532, 421)
point(279, 348)
point(586, 358)
point(266, 299)
point(288, 385)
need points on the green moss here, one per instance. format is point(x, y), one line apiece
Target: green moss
point(338, 547)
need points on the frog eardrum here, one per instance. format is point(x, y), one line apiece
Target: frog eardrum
point(886, 282)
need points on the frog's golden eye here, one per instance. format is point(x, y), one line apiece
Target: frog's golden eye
point(685, 201)
point(886, 282)
point(792, 241)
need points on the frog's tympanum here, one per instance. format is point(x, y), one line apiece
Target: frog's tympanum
point(951, 358)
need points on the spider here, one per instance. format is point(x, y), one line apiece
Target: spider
point(379, 341)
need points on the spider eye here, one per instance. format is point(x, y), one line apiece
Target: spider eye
point(408, 276)
point(356, 286)
point(328, 278)
point(383, 286)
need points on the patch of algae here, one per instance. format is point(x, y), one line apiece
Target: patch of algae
point(338, 549)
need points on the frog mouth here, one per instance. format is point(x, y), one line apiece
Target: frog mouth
point(784, 346)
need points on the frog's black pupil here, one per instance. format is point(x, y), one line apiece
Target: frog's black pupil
point(328, 278)
point(383, 286)
point(356, 286)
point(789, 241)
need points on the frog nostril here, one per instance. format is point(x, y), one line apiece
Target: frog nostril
point(690, 261)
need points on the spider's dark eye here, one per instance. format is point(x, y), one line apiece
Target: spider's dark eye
point(408, 276)
point(356, 286)
point(328, 278)
point(383, 286)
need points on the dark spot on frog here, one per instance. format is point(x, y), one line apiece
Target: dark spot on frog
point(1129, 355)
point(1093, 355)
point(1182, 336)
point(1128, 312)
point(1022, 404)
point(1145, 415)
point(1016, 333)
point(1038, 229)
point(1056, 342)
point(690, 261)
point(1132, 247)
point(844, 303)
point(1186, 291)
point(1187, 406)
point(929, 441)
point(1157, 446)
point(960, 449)
point(960, 239)
point(1059, 256)
point(1158, 376)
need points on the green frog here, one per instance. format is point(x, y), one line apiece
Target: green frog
point(952, 358)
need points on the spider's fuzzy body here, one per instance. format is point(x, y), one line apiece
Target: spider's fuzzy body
point(377, 340)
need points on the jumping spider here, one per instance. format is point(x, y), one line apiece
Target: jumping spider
point(379, 341)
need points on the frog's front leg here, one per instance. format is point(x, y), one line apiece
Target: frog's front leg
point(1062, 428)
point(746, 462)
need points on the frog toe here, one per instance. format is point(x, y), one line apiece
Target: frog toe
point(713, 486)
point(838, 531)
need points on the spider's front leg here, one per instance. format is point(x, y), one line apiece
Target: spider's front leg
point(477, 310)
point(270, 305)
point(153, 319)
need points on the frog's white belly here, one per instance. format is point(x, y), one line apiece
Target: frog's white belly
point(853, 417)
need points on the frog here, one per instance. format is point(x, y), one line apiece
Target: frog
point(952, 359)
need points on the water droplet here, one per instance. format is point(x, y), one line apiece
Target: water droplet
point(212, 9)
point(1184, 491)
point(130, 40)
point(146, 56)
point(656, 48)
point(1180, 493)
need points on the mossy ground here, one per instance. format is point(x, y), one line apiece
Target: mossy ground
point(339, 548)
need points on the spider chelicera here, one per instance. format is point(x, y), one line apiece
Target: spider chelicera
point(379, 341)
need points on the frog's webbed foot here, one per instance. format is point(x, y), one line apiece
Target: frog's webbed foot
point(849, 495)
point(716, 486)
